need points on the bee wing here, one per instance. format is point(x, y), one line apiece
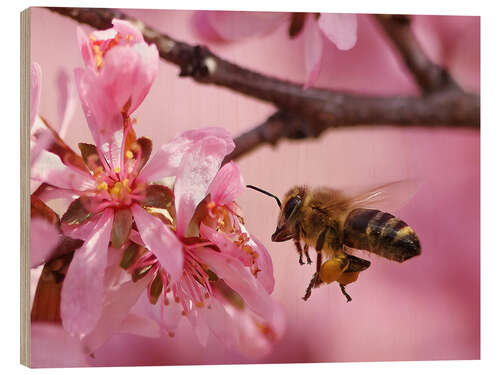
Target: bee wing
point(389, 197)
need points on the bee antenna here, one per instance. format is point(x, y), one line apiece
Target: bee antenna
point(266, 193)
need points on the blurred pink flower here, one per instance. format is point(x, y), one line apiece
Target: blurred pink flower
point(51, 346)
point(35, 88)
point(339, 29)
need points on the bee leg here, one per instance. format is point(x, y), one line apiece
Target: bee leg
point(316, 280)
point(296, 241)
point(306, 251)
point(347, 296)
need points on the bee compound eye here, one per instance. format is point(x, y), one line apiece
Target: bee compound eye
point(291, 206)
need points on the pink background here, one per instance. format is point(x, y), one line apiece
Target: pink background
point(424, 309)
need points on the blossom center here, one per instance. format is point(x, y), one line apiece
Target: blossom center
point(102, 46)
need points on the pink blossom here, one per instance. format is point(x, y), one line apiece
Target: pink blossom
point(44, 236)
point(129, 219)
point(318, 28)
point(109, 199)
point(104, 53)
point(226, 280)
point(223, 225)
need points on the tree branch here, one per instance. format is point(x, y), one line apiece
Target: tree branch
point(321, 108)
point(278, 126)
point(429, 76)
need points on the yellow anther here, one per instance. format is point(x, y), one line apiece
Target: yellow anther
point(116, 190)
point(102, 186)
point(98, 55)
point(98, 171)
point(117, 169)
point(129, 154)
point(126, 182)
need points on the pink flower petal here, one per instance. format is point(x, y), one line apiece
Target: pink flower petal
point(202, 24)
point(104, 117)
point(227, 184)
point(235, 25)
point(82, 293)
point(161, 241)
point(81, 231)
point(225, 245)
point(220, 323)
point(167, 316)
point(339, 28)
point(51, 347)
point(313, 50)
point(66, 101)
point(136, 237)
point(246, 329)
point(129, 32)
point(200, 326)
point(117, 303)
point(140, 325)
point(44, 238)
point(35, 89)
point(168, 159)
point(85, 48)
point(130, 81)
point(40, 138)
point(264, 264)
point(244, 283)
point(66, 196)
point(198, 168)
point(50, 169)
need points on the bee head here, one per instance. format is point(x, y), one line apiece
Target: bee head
point(289, 214)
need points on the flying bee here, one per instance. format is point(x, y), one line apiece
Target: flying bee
point(334, 222)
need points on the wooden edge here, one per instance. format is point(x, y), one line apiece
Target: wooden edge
point(25, 189)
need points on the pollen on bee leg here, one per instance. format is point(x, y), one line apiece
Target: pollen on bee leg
point(331, 270)
point(348, 277)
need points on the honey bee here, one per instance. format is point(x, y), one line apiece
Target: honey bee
point(334, 222)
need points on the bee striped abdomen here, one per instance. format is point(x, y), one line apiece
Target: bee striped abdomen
point(380, 233)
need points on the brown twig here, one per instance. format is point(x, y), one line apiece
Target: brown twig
point(278, 126)
point(429, 76)
point(320, 108)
